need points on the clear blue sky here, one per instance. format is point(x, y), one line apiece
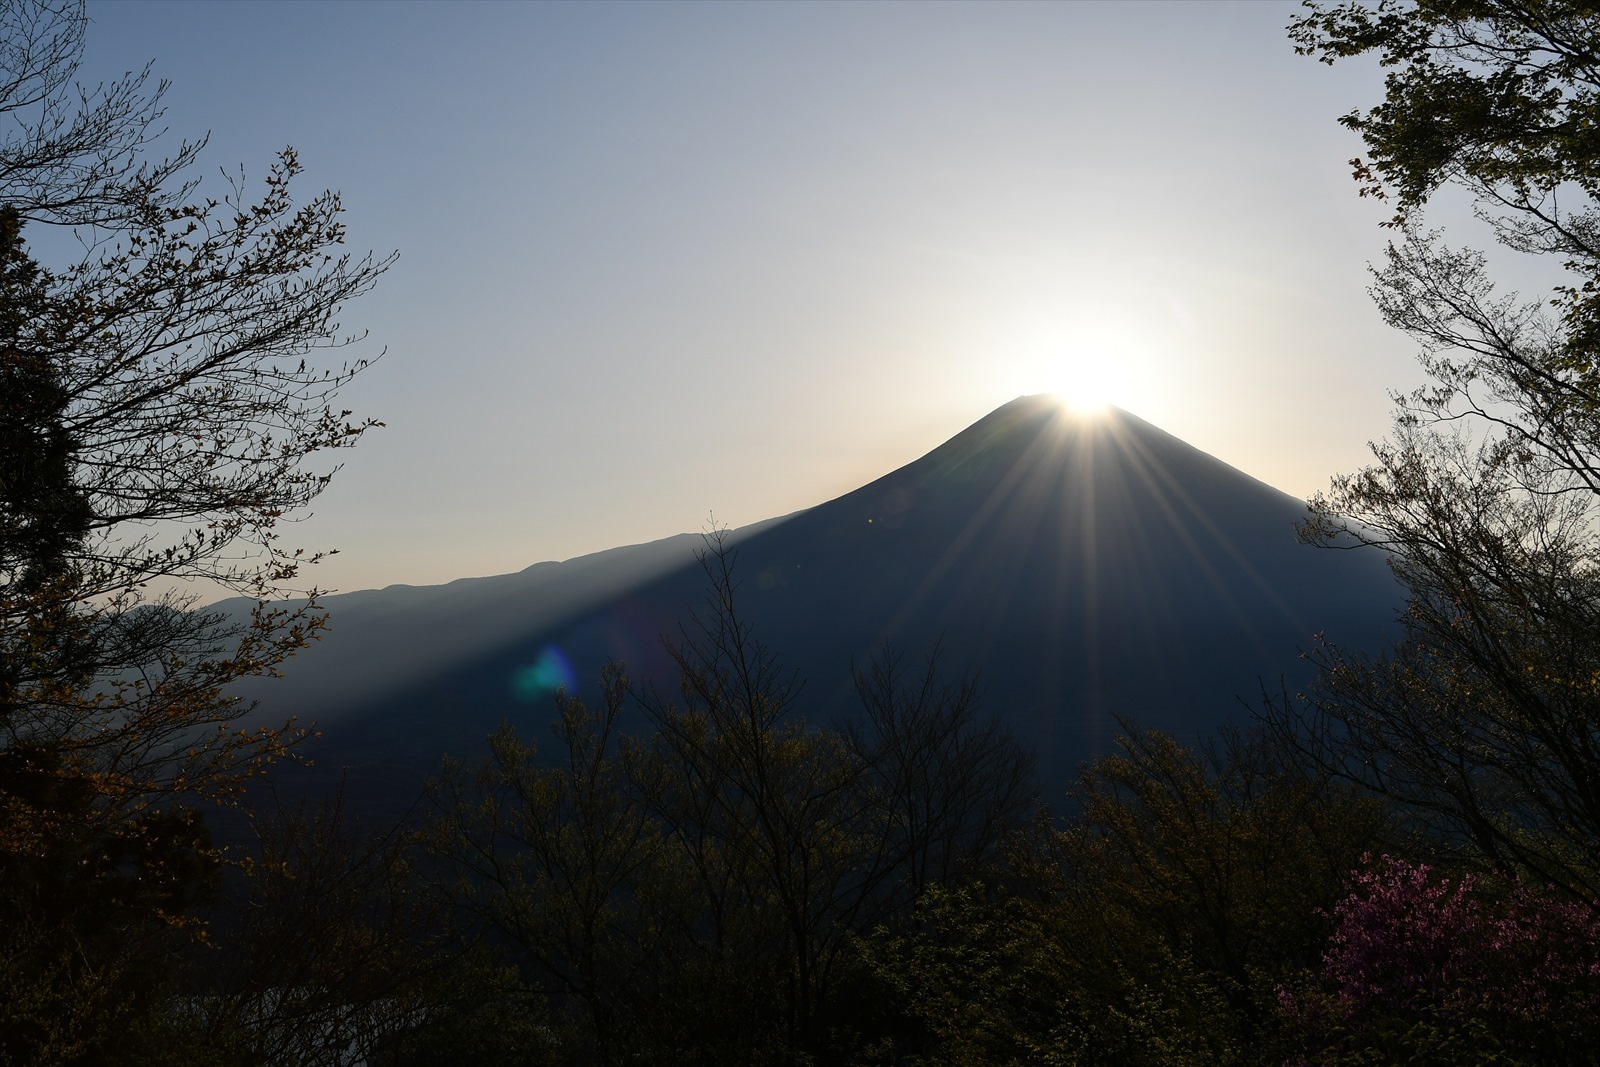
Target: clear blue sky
point(665, 260)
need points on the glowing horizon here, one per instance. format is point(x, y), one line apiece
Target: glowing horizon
point(769, 285)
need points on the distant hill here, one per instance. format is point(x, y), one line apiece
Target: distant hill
point(1085, 567)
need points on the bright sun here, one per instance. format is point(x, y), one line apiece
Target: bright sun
point(1088, 379)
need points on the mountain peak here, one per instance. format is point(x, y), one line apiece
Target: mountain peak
point(1086, 566)
point(1036, 441)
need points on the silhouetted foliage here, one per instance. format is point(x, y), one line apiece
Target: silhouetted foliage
point(1481, 727)
point(160, 406)
point(45, 517)
point(89, 942)
point(158, 384)
point(697, 895)
point(1487, 495)
point(951, 780)
point(1153, 926)
point(326, 953)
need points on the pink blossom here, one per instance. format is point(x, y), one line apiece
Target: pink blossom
point(1410, 945)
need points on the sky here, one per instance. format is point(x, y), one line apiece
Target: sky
point(664, 263)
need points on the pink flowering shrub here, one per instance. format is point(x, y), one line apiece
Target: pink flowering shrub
point(1425, 968)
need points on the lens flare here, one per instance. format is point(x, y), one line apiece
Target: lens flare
point(550, 672)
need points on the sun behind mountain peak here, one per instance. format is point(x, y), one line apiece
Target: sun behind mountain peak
point(1087, 380)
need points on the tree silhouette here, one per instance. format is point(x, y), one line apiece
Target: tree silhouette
point(699, 892)
point(1487, 494)
point(163, 397)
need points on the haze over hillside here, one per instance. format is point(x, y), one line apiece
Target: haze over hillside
point(1084, 567)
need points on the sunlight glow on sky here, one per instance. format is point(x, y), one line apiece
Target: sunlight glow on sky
point(1087, 377)
point(660, 261)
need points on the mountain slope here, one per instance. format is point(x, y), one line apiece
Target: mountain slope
point(1086, 568)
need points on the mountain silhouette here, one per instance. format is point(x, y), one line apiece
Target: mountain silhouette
point(1085, 568)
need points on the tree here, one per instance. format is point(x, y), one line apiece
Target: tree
point(1423, 968)
point(1218, 858)
point(1153, 926)
point(76, 158)
point(699, 893)
point(952, 781)
point(164, 401)
point(1498, 98)
point(1486, 721)
point(563, 861)
point(45, 517)
point(165, 388)
point(328, 953)
point(823, 834)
